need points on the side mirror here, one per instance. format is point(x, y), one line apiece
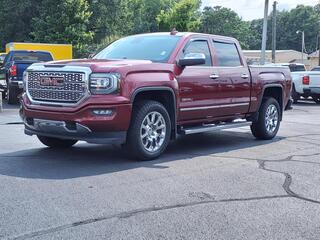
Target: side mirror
point(192, 59)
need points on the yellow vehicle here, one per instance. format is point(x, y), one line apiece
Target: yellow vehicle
point(58, 51)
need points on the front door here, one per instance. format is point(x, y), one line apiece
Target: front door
point(197, 89)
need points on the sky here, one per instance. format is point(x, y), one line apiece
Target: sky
point(253, 9)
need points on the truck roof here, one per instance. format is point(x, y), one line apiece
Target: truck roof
point(32, 51)
point(187, 34)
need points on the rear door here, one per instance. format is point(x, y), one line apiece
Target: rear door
point(234, 79)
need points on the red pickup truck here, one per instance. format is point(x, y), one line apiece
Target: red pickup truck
point(145, 90)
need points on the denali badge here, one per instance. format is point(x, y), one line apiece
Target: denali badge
point(51, 81)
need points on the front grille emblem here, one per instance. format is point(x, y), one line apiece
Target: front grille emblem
point(51, 81)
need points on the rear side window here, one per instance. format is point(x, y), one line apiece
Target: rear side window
point(227, 54)
point(199, 46)
point(32, 56)
point(297, 68)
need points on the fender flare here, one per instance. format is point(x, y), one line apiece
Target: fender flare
point(161, 88)
point(282, 105)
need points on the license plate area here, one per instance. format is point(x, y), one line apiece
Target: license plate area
point(55, 81)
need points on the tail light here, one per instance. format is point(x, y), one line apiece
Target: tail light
point(306, 80)
point(13, 70)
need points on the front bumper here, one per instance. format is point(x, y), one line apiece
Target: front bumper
point(63, 130)
point(79, 124)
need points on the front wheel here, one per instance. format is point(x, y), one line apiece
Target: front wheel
point(150, 130)
point(268, 122)
point(12, 95)
point(56, 142)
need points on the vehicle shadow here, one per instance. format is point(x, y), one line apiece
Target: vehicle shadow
point(90, 160)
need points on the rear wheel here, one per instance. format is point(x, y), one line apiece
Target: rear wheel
point(56, 142)
point(150, 130)
point(268, 122)
point(295, 95)
point(316, 99)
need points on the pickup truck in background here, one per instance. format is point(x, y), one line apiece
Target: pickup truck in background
point(145, 90)
point(12, 68)
point(305, 83)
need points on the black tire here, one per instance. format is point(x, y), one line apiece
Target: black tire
point(3, 95)
point(56, 142)
point(259, 128)
point(135, 141)
point(12, 95)
point(316, 99)
point(295, 95)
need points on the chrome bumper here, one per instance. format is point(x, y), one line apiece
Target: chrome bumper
point(75, 131)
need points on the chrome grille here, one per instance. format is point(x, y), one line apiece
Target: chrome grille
point(72, 91)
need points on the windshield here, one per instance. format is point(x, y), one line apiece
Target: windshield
point(32, 56)
point(154, 48)
point(316, 69)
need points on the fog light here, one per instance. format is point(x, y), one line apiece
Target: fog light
point(102, 112)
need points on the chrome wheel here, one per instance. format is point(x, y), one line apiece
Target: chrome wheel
point(153, 131)
point(271, 118)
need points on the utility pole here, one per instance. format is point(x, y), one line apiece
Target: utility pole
point(264, 33)
point(302, 44)
point(274, 31)
point(319, 47)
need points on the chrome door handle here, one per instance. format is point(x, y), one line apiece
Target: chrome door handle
point(244, 76)
point(214, 76)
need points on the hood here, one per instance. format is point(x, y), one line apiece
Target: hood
point(99, 65)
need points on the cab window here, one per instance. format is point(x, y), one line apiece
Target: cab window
point(227, 54)
point(199, 46)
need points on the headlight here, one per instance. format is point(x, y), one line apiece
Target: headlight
point(104, 83)
point(24, 79)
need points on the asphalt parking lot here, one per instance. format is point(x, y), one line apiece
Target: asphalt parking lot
point(223, 185)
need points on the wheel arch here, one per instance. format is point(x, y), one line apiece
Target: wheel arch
point(272, 90)
point(164, 95)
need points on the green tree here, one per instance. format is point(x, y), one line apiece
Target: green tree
point(223, 21)
point(143, 14)
point(64, 21)
point(184, 16)
point(15, 20)
point(108, 18)
point(301, 18)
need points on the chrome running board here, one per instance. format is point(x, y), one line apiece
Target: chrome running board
point(213, 127)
